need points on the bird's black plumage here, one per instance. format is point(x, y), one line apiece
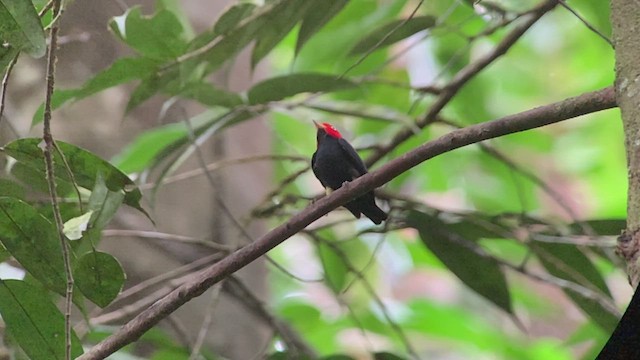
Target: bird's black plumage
point(336, 162)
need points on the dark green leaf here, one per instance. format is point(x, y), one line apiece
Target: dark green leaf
point(34, 180)
point(99, 276)
point(480, 273)
point(604, 227)
point(7, 54)
point(277, 26)
point(386, 356)
point(158, 37)
point(34, 321)
point(232, 17)
point(33, 241)
point(208, 95)
point(11, 189)
point(20, 27)
point(214, 49)
point(84, 165)
point(316, 17)
point(280, 87)
point(121, 71)
point(391, 33)
point(568, 262)
point(152, 85)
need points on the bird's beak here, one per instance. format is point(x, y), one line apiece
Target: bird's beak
point(317, 125)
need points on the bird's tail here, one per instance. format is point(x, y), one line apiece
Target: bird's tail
point(375, 214)
point(366, 205)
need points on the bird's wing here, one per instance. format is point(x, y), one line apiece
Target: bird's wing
point(313, 167)
point(353, 157)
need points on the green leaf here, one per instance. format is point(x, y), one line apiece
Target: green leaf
point(151, 86)
point(74, 227)
point(121, 71)
point(139, 155)
point(7, 53)
point(99, 276)
point(480, 273)
point(208, 95)
point(215, 48)
point(392, 32)
point(35, 322)
point(33, 241)
point(84, 165)
point(278, 26)
point(568, 262)
point(20, 27)
point(335, 271)
point(605, 227)
point(158, 37)
point(316, 17)
point(386, 356)
point(278, 88)
point(103, 203)
point(11, 189)
point(232, 17)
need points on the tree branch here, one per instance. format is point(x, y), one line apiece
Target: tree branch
point(541, 116)
point(462, 77)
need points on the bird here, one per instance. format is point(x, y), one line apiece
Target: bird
point(336, 162)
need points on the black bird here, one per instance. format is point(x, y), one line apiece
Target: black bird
point(336, 162)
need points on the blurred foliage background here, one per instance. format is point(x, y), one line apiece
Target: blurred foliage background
point(502, 250)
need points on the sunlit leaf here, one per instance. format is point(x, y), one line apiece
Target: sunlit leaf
point(74, 227)
point(34, 321)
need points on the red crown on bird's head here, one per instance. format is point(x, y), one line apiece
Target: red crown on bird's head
point(329, 129)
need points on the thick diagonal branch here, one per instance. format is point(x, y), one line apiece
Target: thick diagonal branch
point(545, 115)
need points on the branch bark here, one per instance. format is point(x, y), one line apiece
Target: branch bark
point(625, 17)
point(541, 116)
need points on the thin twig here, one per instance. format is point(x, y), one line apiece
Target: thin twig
point(206, 322)
point(530, 119)
point(50, 174)
point(234, 287)
point(369, 288)
point(381, 41)
point(585, 22)
point(461, 78)
point(5, 83)
point(155, 235)
point(221, 164)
